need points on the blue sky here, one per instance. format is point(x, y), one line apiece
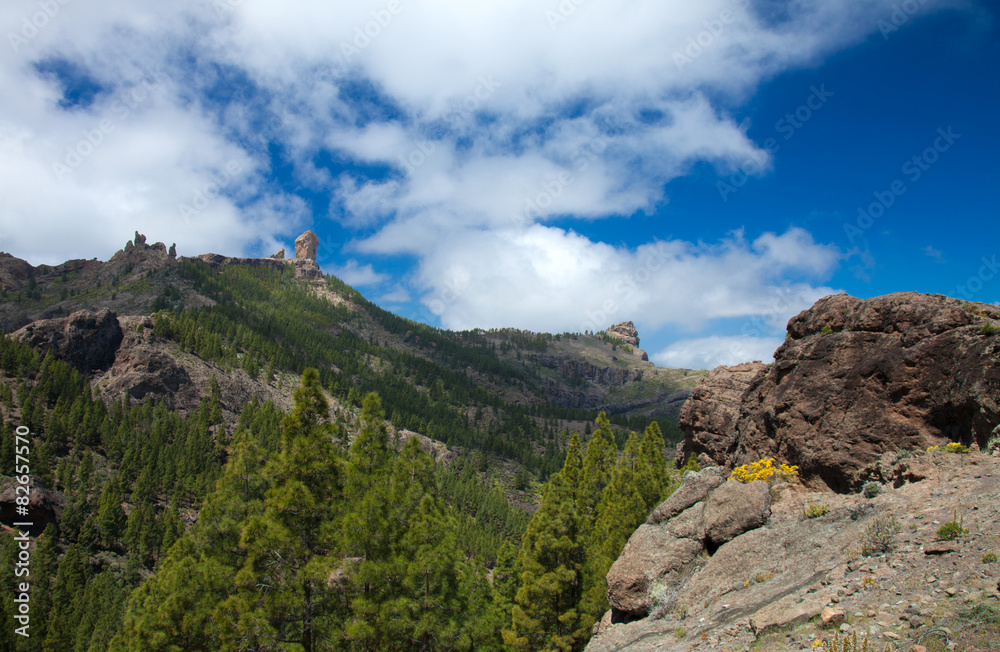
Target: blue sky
point(706, 171)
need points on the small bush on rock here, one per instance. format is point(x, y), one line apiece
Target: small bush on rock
point(952, 529)
point(871, 489)
point(880, 535)
point(953, 447)
point(989, 558)
point(814, 510)
point(765, 470)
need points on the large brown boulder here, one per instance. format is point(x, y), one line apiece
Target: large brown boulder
point(652, 552)
point(695, 488)
point(44, 505)
point(853, 380)
point(735, 508)
point(713, 409)
point(626, 332)
point(87, 340)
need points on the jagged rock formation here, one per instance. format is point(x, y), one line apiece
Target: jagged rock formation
point(854, 379)
point(671, 591)
point(280, 255)
point(305, 246)
point(714, 408)
point(626, 332)
point(87, 340)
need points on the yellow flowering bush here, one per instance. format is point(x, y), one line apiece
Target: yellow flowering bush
point(953, 447)
point(765, 470)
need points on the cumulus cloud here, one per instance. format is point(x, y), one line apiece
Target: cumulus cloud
point(549, 279)
point(710, 352)
point(355, 274)
point(451, 132)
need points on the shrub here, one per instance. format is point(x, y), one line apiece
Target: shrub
point(814, 510)
point(680, 633)
point(952, 529)
point(953, 447)
point(989, 329)
point(982, 613)
point(993, 444)
point(664, 601)
point(826, 330)
point(765, 470)
point(880, 535)
point(989, 558)
point(850, 644)
point(871, 489)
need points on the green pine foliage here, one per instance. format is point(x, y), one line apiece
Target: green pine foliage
point(588, 511)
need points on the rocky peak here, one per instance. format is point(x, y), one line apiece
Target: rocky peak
point(854, 379)
point(305, 246)
point(87, 340)
point(626, 332)
point(280, 255)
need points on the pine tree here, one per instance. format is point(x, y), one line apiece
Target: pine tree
point(70, 583)
point(427, 552)
point(598, 462)
point(110, 515)
point(369, 531)
point(551, 563)
point(292, 546)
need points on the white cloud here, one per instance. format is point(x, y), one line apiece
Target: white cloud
point(710, 352)
point(355, 274)
point(492, 117)
point(548, 279)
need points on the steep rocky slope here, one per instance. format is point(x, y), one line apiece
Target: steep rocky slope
point(854, 379)
point(727, 566)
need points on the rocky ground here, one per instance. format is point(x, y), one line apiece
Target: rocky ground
point(798, 580)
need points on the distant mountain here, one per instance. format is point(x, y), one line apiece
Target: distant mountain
point(188, 318)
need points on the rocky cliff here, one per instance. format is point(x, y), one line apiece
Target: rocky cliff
point(855, 379)
point(722, 565)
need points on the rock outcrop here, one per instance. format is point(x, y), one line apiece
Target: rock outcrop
point(44, 505)
point(701, 515)
point(855, 379)
point(670, 594)
point(280, 255)
point(626, 332)
point(87, 340)
point(710, 415)
point(305, 246)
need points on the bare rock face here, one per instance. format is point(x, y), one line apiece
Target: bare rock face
point(280, 255)
point(651, 553)
point(305, 246)
point(735, 508)
point(713, 409)
point(44, 505)
point(855, 379)
point(695, 488)
point(626, 332)
point(87, 340)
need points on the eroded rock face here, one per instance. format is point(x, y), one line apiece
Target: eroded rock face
point(87, 340)
point(855, 379)
point(305, 246)
point(626, 332)
point(713, 409)
point(695, 488)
